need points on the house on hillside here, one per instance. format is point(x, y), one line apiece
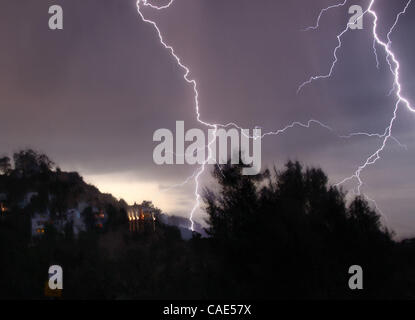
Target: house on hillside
point(100, 218)
point(141, 218)
point(61, 221)
point(78, 223)
point(39, 222)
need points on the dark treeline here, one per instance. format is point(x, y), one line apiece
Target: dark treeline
point(290, 235)
point(281, 234)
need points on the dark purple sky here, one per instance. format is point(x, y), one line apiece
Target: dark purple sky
point(92, 95)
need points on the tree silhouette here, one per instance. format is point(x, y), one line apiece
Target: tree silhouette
point(29, 162)
point(290, 234)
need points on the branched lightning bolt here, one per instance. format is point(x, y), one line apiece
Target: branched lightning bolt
point(386, 136)
point(193, 83)
point(336, 49)
point(196, 175)
point(394, 66)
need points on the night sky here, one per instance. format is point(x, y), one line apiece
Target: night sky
point(92, 95)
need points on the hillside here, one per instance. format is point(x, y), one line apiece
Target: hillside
point(290, 222)
point(34, 187)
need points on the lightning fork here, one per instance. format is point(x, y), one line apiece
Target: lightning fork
point(317, 24)
point(391, 58)
point(196, 175)
point(394, 66)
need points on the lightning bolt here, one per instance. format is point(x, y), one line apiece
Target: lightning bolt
point(394, 67)
point(196, 175)
point(140, 4)
point(193, 83)
point(317, 25)
point(336, 49)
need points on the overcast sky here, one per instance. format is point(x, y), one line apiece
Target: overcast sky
point(92, 95)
